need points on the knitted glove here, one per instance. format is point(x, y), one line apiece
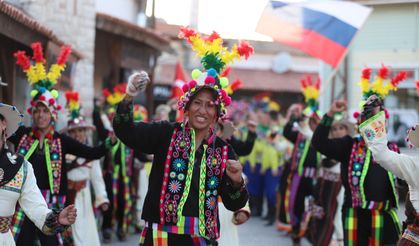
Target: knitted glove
point(137, 82)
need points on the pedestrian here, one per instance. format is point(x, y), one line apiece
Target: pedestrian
point(18, 185)
point(45, 147)
point(82, 174)
point(401, 165)
point(191, 166)
point(325, 221)
point(119, 172)
point(369, 211)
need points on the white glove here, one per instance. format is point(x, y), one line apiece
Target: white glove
point(137, 82)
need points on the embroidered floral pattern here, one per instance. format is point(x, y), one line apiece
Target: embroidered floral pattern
point(370, 134)
point(211, 202)
point(175, 183)
point(174, 186)
point(179, 165)
point(212, 182)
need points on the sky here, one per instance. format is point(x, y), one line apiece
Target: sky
point(230, 18)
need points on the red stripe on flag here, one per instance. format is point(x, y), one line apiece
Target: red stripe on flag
point(294, 35)
point(319, 46)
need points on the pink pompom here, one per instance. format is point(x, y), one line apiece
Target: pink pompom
point(42, 98)
point(227, 101)
point(192, 84)
point(223, 93)
point(387, 113)
point(356, 115)
point(185, 88)
point(51, 101)
point(32, 103)
point(209, 80)
point(59, 107)
point(29, 110)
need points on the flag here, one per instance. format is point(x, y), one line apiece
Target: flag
point(323, 29)
point(179, 81)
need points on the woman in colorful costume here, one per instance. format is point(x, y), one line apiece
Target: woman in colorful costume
point(119, 171)
point(369, 210)
point(403, 166)
point(18, 184)
point(305, 159)
point(42, 145)
point(191, 166)
point(325, 219)
point(82, 173)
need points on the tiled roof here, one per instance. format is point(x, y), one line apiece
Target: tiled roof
point(21, 17)
point(132, 31)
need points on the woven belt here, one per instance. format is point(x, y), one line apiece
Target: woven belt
point(411, 234)
point(5, 223)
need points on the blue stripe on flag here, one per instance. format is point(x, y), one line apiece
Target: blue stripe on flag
point(324, 24)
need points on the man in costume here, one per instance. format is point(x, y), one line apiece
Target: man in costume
point(325, 219)
point(81, 174)
point(191, 166)
point(119, 171)
point(43, 146)
point(304, 161)
point(18, 184)
point(406, 167)
point(370, 204)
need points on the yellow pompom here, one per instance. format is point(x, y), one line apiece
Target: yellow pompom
point(54, 93)
point(33, 93)
point(196, 73)
point(224, 82)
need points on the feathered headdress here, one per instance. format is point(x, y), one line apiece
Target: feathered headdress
point(140, 113)
point(311, 92)
point(114, 97)
point(214, 58)
point(382, 84)
point(42, 81)
point(76, 119)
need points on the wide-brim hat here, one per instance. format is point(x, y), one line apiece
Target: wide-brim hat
point(345, 122)
point(78, 123)
point(13, 118)
point(413, 136)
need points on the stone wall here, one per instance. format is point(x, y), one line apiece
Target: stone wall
point(73, 21)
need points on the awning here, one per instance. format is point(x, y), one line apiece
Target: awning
point(132, 31)
point(253, 79)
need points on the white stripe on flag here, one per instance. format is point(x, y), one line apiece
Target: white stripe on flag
point(352, 13)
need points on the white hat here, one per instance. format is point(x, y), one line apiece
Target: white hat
point(413, 136)
point(13, 118)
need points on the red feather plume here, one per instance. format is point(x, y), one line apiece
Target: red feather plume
point(214, 35)
point(22, 60)
point(65, 52)
point(38, 54)
point(366, 73)
point(245, 49)
point(383, 72)
point(226, 72)
point(417, 86)
point(236, 84)
point(106, 92)
point(186, 32)
point(399, 78)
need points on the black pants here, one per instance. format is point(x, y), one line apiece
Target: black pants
point(108, 215)
point(29, 233)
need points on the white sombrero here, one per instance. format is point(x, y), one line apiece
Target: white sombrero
point(13, 118)
point(413, 136)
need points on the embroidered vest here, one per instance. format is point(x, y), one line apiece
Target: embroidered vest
point(359, 163)
point(177, 179)
point(53, 157)
point(299, 155)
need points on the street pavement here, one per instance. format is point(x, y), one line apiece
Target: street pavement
point(252, 233)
